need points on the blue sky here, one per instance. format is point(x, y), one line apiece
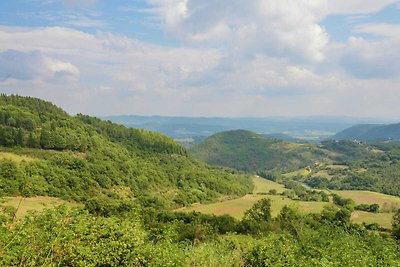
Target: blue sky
point(205, 58)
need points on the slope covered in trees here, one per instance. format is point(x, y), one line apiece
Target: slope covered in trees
point(370, 132)
point(380, 172)
point(249, 151)
point(94, 161)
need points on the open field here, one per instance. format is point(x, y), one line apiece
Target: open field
point(262, 185)
point(386, 202)
point(34, 203)
point(237, 207)
point(383, 219)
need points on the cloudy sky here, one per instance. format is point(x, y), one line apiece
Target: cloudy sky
point(205, 57)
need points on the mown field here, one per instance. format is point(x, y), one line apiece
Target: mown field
point(237, 207)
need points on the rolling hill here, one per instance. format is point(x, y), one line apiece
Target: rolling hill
point(248, 151)
point(46, 152)
point(370, 132)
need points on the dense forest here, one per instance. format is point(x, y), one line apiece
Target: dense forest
point(85, 159)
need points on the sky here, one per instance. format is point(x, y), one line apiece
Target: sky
point(230, 58)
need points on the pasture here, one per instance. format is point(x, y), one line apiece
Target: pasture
point(237, 207)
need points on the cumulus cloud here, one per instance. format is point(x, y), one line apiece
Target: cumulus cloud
point(275, 28)
point(33, 65)
point(236, 58)
point(270, 27)
point(376, 58)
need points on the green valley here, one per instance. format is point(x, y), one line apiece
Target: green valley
point(80, 191)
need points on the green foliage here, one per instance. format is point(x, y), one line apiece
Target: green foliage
point(260, 212)
point(396, 225)
point(150, 237)
point(342, 201)
point(249, 151)
point(348, 149)
point(95, 162)
point(374, 208)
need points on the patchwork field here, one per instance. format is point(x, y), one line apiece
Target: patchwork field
point(33, 203)
point(237, 207)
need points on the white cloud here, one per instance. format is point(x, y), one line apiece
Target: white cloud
point(376, 58)
point(33, 65)
point(85, 22)
point(236, 58)
point(356, 6)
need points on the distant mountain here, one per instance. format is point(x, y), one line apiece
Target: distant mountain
point(307, 128)
point(370, 132)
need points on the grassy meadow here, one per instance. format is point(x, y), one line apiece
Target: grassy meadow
point(386, 202)
point(237, 207)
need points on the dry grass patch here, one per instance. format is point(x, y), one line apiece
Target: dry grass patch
point(383, 219)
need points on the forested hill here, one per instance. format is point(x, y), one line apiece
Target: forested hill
point(370, 132)
point(45, 151)
point(249, 151)
point(245, 150)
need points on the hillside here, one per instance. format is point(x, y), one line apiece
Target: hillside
point(370, 132)
point(245, 150)
point(45, 151)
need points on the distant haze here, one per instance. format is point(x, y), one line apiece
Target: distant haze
point(307, 128)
